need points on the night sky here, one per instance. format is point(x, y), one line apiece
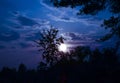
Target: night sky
point(22, 20)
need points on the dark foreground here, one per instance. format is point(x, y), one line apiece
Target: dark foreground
point(65, 73)
point(100, 67)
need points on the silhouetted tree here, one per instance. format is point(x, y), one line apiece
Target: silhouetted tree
point(8, 75)
point(81, 53)
point(22, 73)
point(96, 56)
point(49, 42)
point(42, 66)
point(22, 68)
point(110, 56)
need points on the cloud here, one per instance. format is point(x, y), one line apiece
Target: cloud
point(46, 4)
point(62, 19)
point(74, 39)
point(86, 21)
point(25, 45)
point(8, 35)
point(26, 21)
point(69, 15)
point(33, 36)
point(76, 36)
point(22, 20)
point(20, 30)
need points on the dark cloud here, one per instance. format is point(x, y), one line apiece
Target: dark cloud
point(25, 21)
point(33, 36)
point(8, 35)
point(89, 39)
point(76, 39)
point(29, 27)
point(19, 20)
point(76, 36)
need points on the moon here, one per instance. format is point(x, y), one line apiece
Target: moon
point(63, 47)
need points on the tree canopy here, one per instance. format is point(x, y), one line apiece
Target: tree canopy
point(90, 6)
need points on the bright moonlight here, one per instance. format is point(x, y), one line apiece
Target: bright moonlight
point(63, 47)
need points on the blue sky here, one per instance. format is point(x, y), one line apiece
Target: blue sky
point(21, 21)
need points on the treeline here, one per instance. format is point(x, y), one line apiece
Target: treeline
point(81, 65)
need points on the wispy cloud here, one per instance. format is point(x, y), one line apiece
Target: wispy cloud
point(46, 4)
point(59, 18)
point(76, 36)
point(74, 39)
point(7, 35)
point(69, 15)
point(22, 20)
point(20, 30)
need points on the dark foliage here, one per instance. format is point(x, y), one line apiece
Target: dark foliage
point(90, 6)
point(113, 24)
point(87, 6)
point(101, 67)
